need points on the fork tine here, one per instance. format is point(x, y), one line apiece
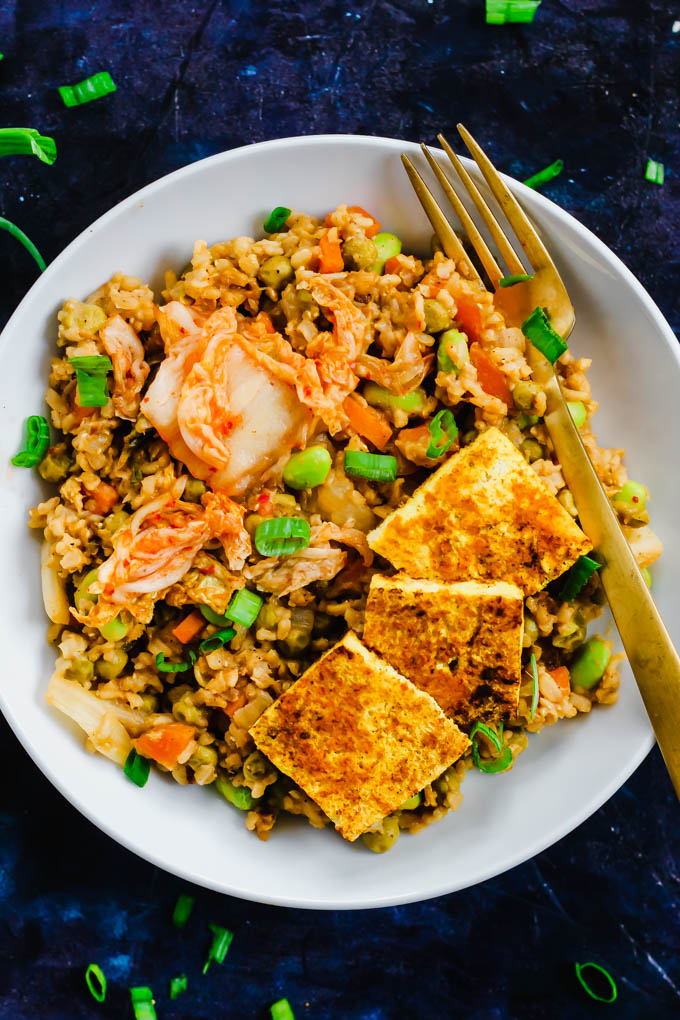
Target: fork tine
point(476, 239)
point(517, 218)
point(450, 241)
point(505, 248)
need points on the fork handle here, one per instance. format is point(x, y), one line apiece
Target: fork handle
point(653, 659)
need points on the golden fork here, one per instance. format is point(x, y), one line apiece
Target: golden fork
point(653, 659)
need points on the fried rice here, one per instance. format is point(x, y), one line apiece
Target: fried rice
point(116, 598)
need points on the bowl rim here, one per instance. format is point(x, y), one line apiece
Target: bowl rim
point(575, 819)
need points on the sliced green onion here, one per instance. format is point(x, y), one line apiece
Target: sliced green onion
point(534, 694)
point(307, 468)
point(239, 796)
point(37, 442)
point(244, 607)
point(91, 373)
point(142, 1001)
point(27, 141)
point(613, 993)
point(172, 667)
point(378, 396)
point(655, 172)
point(96, 982)
point(94, 87)
point(282, 536)
point(538, 330)
point(543, 176)
point(578, 577)
point(137, 768)
point(443, 433)
point(412, 803)
point(178, 985)
point(276, 219)
point(222, 939)
point(183, 908)
point(281, 1010)
point(17, 233)
point(577, 410)
point(379, 467)
point(212, 617)
point(217, 640)
point(510, 281)
point(499, 764)
point(498, 12)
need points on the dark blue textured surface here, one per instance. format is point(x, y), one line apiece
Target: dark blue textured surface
point(593, 82)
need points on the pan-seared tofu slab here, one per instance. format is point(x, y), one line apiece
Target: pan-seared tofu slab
point(357, 737)
point(462, 643)
point(485, 515)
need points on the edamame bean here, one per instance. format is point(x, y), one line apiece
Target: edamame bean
point(531, 449)
point(252, 522)
point(380, 842)
point(115, 629)
point(412, 803)
point(54, 467)
point(81, 670)
point(588, 668)
point(239, 796)
point(255, 767)
point(359, 253)
point(577, 410)
point(307, 468)
point(115, 521)
point(276, 272)
point(437, 318)
point(112, 666)
point(571, 640)
point(452, 352)
point(300, 633)
point(82, 595)
point(193, 490)
point(632, 495)
point(378, 396)
point(387, 245)
point(203, 756)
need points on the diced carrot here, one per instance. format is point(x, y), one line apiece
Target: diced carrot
point(489, 375)
point(367, 422)
point(233, 706)
point(374, 227)
point(468, 315)
point(561, 678)
point(331, 256)
point(189, 627)
point(104, 498)
point(392, 265)
point(165, 743)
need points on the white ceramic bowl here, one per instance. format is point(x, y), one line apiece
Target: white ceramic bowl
point(566, 773)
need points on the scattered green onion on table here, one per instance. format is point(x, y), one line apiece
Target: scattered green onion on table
point(96, 982)
point(178, 985)
point(500, 12)
point(142, 1001)
point(613, 992)
point(37, 442)
point(281, 1010)
point(183, 908)
point(20, 236)
point(17, 141)
point(222, 939)
point(94, 87)
point(545, 175)
point(655, 172)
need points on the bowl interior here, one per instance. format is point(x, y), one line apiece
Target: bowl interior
point(566, 773)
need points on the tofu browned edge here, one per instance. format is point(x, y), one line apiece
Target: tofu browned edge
point(357, 737)
point(459, 642)
point(484, 515)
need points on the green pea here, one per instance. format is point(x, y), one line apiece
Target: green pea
point(255, 767)
point(387, 245)
point(525, 421)
point(633, 495)
point(184, 710)
point(452, 352)
point(268, 617)
point(252, 523)
point(239, 796)
point(412, 803)
point(193, 490)
point(437, 318)
point(531, 449)
point(359, 253)
point(590, 663)
point(300, 633)
point(81, 670)
point(276, 272)
point(378, 396)
point(573, 639)
point(577, 410)
point(82, 596)
point(381, 842)
point(54, 467)
point(115, 629)
point(113, 666)
point(307, 468)
point(203, 756)
point(530, 631)
point(115, 521)
point(524, 394)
